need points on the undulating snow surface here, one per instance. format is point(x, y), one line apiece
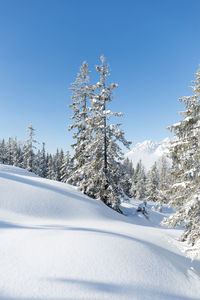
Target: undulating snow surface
point(148, 151)
point(56, 243)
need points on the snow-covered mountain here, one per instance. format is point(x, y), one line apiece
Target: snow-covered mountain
point(57, 243)
point(148, 151)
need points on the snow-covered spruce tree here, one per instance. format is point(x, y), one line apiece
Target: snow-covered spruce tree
point(10, 151)
point(82, 92)
point(103, 164)
point(3, 152)
point(16, 150)
point(135, 179)
point(58, 163)
point(164, 183)
point(129, 166)
point(141, 184)
point(185, 154)
point(40, 163)
point(50, 167)
point(23, 163)
point(67, 167)
point(126, 180)
point(43, 162)
point(18, 154)
point(28, 151)
point(38, 168)
point(152, 184)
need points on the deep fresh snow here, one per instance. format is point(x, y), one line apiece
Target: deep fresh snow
point(56, 243)
point(148, 152)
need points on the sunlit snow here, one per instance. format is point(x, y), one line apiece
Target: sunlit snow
point(58, 244)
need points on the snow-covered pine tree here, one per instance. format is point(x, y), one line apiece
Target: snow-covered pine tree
point(82, 93)
point(104, 156)
point(50, 167)
point(152, 184)
point(37, 168)
point(23, 163)
point(126, 179)
point(16, 150)
point(43, 162)
point(67, 167)
point(141, 183)
point(164, 182)
point(185, 154)
point(135, 179)
point(3, 152)
point(58, 163)
point(17, 153)
point(10, 151)
point(28, 151)
point(129, 165)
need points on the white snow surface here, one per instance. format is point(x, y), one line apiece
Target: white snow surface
point(148, 152)
point(58, 244)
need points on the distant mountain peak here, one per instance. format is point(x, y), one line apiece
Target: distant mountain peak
point(148, 152)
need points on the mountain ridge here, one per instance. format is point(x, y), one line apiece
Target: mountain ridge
point(148, 152)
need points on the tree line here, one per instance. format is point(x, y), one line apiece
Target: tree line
point(27, 155)
point(135, 183)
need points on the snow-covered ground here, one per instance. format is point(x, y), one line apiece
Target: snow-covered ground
point(56, 243)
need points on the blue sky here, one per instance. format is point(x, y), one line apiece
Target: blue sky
point(153, 48)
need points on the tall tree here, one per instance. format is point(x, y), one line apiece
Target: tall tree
point(126, 179)
point(10, 151)
point(67, 167)
point(3, 152)
point(133, 189)
point(164, 183)
point(43, 162)
point(16, 150)
point(50, 167)
point(38, 167)
point(185, 154)
point(152, 184)
point(29, 155)
point(82, 93)
point(58, 163)
point(141, 184)
point(104, 156)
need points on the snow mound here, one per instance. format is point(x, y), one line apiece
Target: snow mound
point(57, 244)
point(148, 152)
point(27, 194)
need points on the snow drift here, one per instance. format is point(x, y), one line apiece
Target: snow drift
point(58, 244)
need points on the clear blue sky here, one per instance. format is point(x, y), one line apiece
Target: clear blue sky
point(152, 46)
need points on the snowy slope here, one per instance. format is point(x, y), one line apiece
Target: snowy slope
point(59, 244)
point(148, 151)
